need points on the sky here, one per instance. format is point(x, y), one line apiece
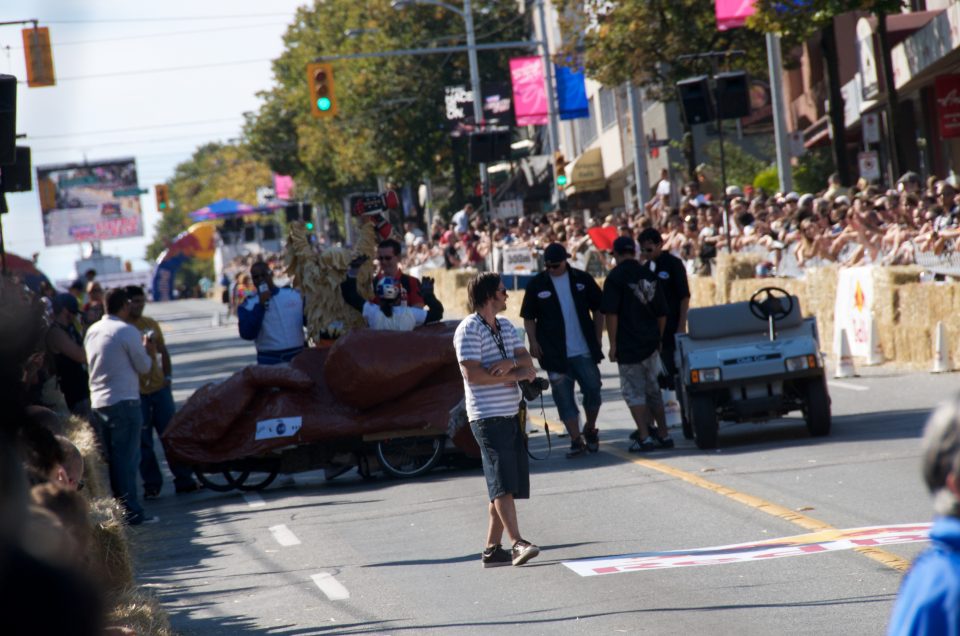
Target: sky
point(144, 79)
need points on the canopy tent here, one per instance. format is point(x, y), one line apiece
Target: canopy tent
point(228, 208)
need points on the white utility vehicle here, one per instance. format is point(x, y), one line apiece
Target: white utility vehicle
point(748, 362)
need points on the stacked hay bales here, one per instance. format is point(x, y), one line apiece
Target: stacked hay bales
point(731, 267)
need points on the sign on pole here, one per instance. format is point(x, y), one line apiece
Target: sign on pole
point(871, 128)
point(869, 165)
point(519, 260)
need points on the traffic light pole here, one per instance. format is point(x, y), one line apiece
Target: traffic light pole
point(553, 118)
point(640, 178)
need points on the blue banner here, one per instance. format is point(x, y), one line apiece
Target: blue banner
point(571, 93)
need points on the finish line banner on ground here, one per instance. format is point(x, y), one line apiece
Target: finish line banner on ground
point(799, 545)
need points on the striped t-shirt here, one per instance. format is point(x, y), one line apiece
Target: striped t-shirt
point(474, 341)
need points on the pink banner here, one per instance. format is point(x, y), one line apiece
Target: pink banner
point(733, 14)
point(529, 92)
point(283, 186)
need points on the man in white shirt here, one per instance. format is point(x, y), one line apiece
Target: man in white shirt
point(461, 220)
point(118, 354)
point(387, 313)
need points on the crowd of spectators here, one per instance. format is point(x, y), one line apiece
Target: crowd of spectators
point(788, 232)
point(56, 514)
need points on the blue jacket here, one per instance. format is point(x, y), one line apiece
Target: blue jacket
point(929, 598)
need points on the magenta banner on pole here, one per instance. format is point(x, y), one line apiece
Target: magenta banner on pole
point(529, 91)
point(733, 14)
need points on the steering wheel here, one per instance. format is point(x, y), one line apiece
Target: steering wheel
point(777, 305)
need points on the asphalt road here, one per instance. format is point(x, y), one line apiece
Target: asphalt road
point(349, 556)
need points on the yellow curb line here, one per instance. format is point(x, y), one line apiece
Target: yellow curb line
point(808, 523)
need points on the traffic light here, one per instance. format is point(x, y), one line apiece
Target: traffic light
point(39, 57)
point(163, 197)
point(323, 98)
point(560, 167)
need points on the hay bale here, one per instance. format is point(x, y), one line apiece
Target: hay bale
point(703, 291)
point(731, 267)
point(140, 611)
point(96, 481)
point(110, 556)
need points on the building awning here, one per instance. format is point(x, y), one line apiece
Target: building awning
point(586, 175)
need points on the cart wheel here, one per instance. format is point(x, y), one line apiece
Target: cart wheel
point(704, 413)
point(219, 482)
point(816, 409)
point(409, 456)
point(251, 480)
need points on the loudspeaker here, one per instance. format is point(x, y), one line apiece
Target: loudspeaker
point(695, 99)
point(8, 119)
point(17, 176)
point(486, 147)
point(733, 95)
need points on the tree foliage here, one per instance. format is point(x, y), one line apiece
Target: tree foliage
point(641, 40)
point(391, 119)
point(215, 171)
point(798, 20)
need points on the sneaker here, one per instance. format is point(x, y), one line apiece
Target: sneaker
point(592, 438)
point(665, 442)
point(577, 448)
point(644, 446)
point(151, 493)
point(523, 551)
point(635, 435)
point(495, 557)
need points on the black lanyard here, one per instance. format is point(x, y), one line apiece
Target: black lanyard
point(495, 334)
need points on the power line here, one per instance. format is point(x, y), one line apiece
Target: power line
point(160, 35)
point(116, 130)
point(171, 69)
point(238, 16)
point(129, 142)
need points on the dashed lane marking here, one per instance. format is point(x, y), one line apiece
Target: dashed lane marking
point(284, 535)
point(331, 587)
point(848, 386)
point(254, 500)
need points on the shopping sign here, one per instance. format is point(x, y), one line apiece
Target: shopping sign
point(799, 545)
point(947, 92)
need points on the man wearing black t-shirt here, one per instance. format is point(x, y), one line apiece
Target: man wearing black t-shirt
point(672, 277)
point(636, 311)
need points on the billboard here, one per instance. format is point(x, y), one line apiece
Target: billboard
point(93, 201)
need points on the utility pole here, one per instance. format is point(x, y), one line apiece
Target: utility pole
point(640, 178)
point(784, 169)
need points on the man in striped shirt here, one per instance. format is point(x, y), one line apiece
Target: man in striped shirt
point(492, 361)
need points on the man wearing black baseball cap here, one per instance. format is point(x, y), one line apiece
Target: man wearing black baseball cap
point(636, 315)
point(561, 315)
point(66, 346)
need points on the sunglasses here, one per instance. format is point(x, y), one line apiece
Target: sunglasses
point(502, 290)
point(385, 258)
point(553, 265)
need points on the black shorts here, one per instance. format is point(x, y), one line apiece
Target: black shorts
point(505, 463)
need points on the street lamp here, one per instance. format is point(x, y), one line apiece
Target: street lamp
point(467, 14)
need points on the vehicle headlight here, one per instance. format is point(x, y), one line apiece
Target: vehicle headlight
point(801, 363)
point(705, 375)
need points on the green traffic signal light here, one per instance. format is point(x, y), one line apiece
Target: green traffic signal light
point(561, 180)
point(323, 104)
point(310, 225)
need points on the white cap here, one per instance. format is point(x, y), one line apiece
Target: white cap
point(734, 191)
point(805, 199)
point(792, 196)
point(842, 199)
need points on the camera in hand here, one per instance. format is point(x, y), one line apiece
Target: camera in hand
point(531, 389)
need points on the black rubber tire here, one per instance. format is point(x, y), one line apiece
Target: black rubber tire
point(705, 425)
point(685, 417)
point(406, 457)
point(816, 410)
point(259, 481)
point(214, 482)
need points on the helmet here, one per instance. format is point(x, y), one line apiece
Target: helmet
point(387, 288)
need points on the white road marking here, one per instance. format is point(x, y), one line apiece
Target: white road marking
point(330, 586)
point(847, 385)
point(284, 535)
point(254, 500)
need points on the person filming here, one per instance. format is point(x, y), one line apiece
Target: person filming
point(492, 361)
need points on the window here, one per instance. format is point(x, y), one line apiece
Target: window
point(608, 108)
point(587, 127)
